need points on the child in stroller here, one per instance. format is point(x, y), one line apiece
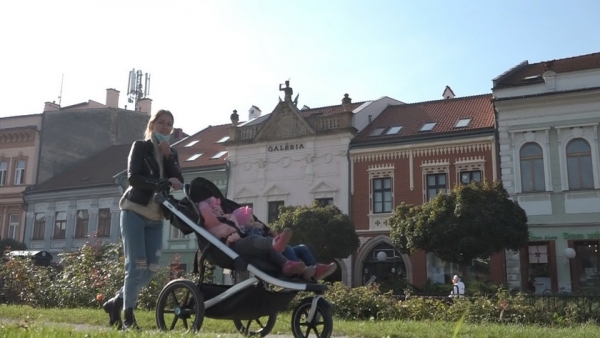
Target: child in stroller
point(242, 221)
point(265, 293)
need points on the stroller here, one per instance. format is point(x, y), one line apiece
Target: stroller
point(252, 304)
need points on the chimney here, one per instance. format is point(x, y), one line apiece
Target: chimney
point(346, 101)
point(51, 106)
point(144, 105)
point(253, 112)
point(112, 98)
point(235, 118)
point(448, 93)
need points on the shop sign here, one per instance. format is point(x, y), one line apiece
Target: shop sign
point(593, 235)
point(285, 147)
point(537, 238)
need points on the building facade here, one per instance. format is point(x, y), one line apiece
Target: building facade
point(293, 157)
point(410, 153)
point(548, 117)
point(19, 149)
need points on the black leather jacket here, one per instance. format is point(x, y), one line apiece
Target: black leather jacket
point(143, 172)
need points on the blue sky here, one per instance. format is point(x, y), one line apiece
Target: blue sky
point(207, 58)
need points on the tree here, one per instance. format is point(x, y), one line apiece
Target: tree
point(324, 229)
point(11, 244)
point(473, 221)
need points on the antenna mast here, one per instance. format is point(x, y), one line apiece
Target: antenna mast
point(135, 89)
point(61, 86)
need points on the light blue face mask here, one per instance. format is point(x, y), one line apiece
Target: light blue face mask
point(160, 137)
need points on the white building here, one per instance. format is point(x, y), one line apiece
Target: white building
point(292, 157)
point(548, 115)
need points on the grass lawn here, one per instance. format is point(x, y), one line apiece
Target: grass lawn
point(23, 321)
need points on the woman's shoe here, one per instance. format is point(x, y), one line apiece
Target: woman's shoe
point(129, 323)
point(113, 307)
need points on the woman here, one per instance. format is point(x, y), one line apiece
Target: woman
point(150, 163)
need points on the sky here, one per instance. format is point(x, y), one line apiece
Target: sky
point(206, 58)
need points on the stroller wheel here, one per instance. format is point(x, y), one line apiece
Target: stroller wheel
point(261, 326)
point(321, 324)
point(180, 305)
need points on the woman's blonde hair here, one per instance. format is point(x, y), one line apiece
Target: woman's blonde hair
point(148, 133)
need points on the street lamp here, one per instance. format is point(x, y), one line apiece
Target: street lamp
point(381, 256)
point(569, 254)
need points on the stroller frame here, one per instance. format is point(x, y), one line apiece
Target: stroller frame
point(307, 318)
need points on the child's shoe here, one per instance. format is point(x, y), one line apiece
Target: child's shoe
point(291, 268)
point(281, 241)
point(308, 272)
point(322, 271)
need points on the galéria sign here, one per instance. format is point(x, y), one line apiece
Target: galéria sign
point(285, 147)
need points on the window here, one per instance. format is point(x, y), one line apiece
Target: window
point(532, 168)
point(462, 123)
point(225, 138)
point(219, 154)
point(193, 157)
point(323, 202)
point(428, 126)
point(39, 226)
point(176, 233)
point(3, 171)
point(20, 172)
point(467, 177)
point(377, 132)
point(436, 183)
point(393, 130)
point(60, 225)
point(440, 271)
point(191, 143)
point(382, 195)
point(104, 223)
point(274, 211)
point(13, 225)
point(579, 165)
point(81, 226)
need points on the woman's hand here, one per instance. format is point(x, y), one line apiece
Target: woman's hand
point(165, 148)
point(175, 184)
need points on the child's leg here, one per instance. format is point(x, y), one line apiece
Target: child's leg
point(303, 253)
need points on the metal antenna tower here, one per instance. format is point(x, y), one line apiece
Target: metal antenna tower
point(138, 87)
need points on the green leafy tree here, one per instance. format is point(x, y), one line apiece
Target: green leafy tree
point(468, 222)
point(11, 244)
point(324, 229)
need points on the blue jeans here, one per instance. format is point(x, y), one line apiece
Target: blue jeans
point(299, 253)
point(142, 242)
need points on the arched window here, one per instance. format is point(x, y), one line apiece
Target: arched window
point(579, 164)
point(532, 168)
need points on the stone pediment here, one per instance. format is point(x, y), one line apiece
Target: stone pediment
point(285, 122)
point(323, 187)
point(245, 192)
point(275, 190)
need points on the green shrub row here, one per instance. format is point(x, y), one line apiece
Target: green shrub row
point(89, 276)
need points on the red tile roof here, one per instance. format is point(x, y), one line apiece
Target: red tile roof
point(445, 112)
point(207, 146)
point(526, 73)
point(96, 170)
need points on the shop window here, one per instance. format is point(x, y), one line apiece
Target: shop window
point(440, 271)
point(586, 260)
point(539, 272)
